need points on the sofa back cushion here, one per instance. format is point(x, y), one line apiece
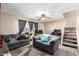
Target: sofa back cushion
point(53, 38)
point(56, 32)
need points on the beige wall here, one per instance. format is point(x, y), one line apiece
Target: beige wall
point(50, 26)
point(41, 26)
point(70, 19)
point(9, 23)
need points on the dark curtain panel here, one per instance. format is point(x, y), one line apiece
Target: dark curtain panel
point(36, 26)
point(31, 25)
point(21, 25)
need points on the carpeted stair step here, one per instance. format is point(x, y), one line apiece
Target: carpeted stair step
point(70, 45)
point(69, 34)
point(70, 28)
point(70, 37)
point(71, 41)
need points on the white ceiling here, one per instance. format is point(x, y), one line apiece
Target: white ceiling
point(55, 10)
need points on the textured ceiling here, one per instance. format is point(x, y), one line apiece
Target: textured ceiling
point(55, 10)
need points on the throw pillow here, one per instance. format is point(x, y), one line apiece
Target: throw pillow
point(44, 39)
point(7, 38)
point(11, 39)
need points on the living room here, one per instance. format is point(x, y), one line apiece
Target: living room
point(24, 23)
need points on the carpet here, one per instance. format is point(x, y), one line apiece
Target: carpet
point(62, 51)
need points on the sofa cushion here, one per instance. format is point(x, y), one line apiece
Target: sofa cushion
point(53, 38)
point(47, 42)
point(43, 38)
point(7, 38)
point(12, 40)
point(22, 38)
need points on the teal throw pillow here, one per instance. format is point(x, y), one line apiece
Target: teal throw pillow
point(44, 39)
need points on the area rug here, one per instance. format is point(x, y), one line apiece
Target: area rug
point(35, 52)
point(60, 52)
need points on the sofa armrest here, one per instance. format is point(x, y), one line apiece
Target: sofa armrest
point(52, 43)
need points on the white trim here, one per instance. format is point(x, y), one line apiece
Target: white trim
point(77, 28)
point(63, 33)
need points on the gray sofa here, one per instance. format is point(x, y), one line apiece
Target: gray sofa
point(17, 41)
point(50, 47)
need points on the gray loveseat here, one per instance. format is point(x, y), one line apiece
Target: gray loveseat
point(15, 41)
point(50, 47)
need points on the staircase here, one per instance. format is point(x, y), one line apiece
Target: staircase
point(69, 38)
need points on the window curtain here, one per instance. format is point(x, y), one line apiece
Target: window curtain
point(36, 26)
point(21, 25)
point(26, 28)
point(31, 25)
point(33, 28)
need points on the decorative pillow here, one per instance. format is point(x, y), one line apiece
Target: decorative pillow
point(13, 40)
point(22, 38)
point(7, 38)
point(44, 39)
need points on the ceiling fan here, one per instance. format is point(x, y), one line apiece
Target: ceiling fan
point(43, 17)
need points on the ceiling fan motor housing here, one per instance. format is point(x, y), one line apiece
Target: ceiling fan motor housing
point(43, 15)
